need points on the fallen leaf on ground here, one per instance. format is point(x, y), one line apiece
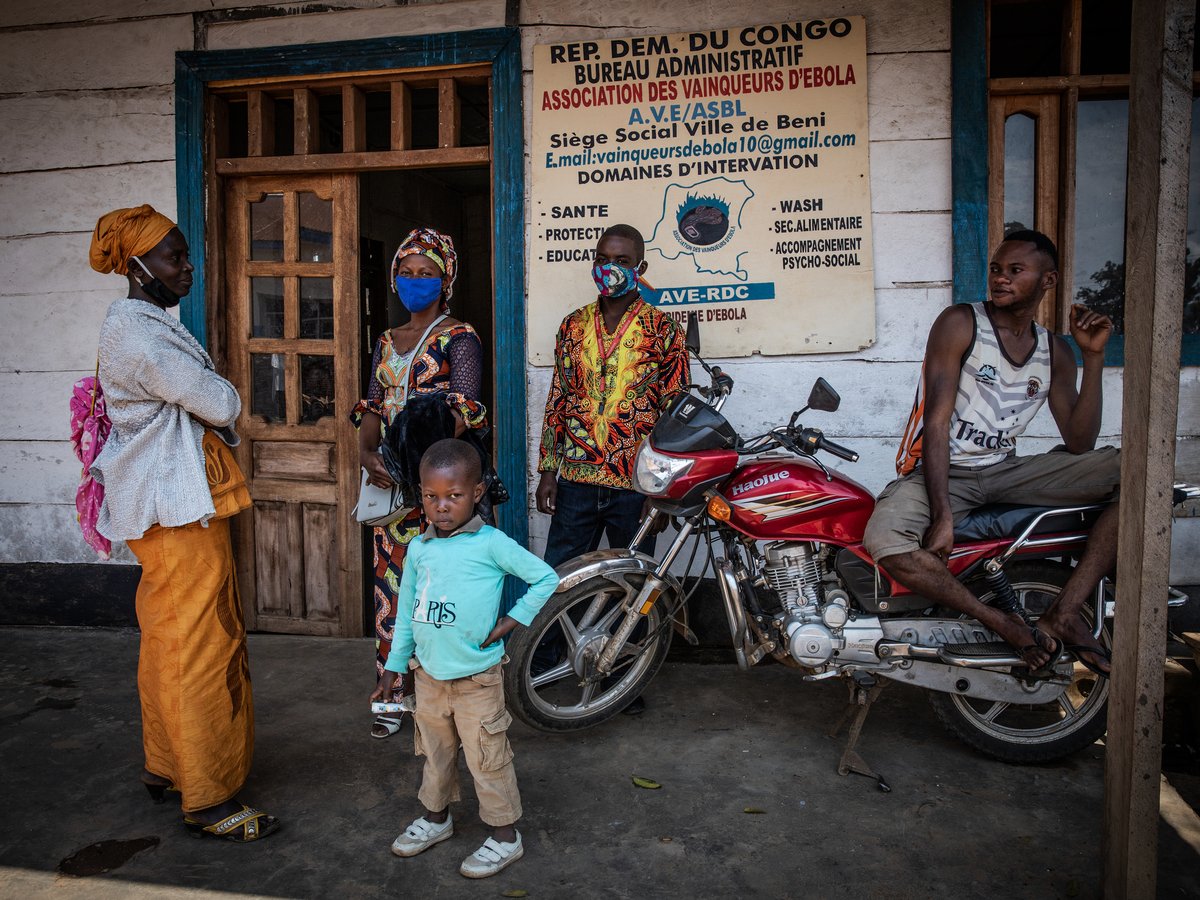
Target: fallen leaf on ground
point(754, 810)
point(647, 783)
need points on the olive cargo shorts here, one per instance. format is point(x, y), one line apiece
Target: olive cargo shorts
point(1057, 478)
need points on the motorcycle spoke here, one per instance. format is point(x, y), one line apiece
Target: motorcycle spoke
point(586, 696)
point(609, 617)
point(562, 670)
point(994, 711)
point(593, 610)
point(570, 632)
point(1064, 702)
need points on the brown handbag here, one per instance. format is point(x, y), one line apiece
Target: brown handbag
point(225, 479)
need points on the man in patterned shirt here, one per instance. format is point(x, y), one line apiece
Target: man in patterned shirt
point(615, 361)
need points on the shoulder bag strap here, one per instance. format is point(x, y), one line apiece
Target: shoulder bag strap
point(419, 345)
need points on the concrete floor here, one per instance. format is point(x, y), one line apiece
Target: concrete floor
point(956, 823)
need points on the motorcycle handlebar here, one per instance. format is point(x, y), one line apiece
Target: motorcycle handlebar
point(837, 449)
point(721, 382)
point(812, 440)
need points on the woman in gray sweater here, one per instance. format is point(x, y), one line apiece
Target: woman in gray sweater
point(170, 486)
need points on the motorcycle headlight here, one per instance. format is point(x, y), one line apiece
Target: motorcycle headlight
point(653, 472)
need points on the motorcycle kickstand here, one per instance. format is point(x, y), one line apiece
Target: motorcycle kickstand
point(858, 705)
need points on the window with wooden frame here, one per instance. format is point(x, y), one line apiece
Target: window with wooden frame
point(375, 120)
point(1058, 118)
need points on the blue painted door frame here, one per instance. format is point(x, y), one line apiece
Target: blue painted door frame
point(499, 46)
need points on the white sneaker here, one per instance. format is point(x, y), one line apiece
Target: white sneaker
point(491, 858)
point(421, 835)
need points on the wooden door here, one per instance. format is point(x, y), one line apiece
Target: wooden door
point(291, 251)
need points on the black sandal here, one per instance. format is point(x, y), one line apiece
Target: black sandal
point(1098, 650)
point(157, 789)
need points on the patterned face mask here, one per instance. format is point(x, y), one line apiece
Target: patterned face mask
point(613, 280)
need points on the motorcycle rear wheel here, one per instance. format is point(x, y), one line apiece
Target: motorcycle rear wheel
point(1020, 733)
point(548, 661)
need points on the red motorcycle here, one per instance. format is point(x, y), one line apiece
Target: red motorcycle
point(783, 534)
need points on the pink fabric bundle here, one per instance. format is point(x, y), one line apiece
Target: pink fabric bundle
point(90, 426)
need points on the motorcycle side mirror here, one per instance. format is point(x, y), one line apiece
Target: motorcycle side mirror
point(691, 339)
point(824, 397)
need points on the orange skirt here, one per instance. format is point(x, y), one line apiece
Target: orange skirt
point(193, 670)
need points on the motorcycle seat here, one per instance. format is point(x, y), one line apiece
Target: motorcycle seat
point(1000, 520)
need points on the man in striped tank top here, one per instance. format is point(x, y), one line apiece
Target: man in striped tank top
point(988, 369)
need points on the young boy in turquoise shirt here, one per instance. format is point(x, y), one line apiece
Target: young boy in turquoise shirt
point(449, 632)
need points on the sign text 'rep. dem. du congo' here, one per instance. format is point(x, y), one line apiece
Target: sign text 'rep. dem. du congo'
point(740, 154)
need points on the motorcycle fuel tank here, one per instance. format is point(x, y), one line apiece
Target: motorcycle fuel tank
point(792, 500)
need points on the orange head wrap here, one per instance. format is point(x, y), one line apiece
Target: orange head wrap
point(125, 233)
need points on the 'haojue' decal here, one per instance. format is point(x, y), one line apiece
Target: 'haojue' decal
point(785, 503)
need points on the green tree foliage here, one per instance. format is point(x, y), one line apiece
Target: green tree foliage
point(1106, 294)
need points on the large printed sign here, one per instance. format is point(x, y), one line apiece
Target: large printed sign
point(740, 154)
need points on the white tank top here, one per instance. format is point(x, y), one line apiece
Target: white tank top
point(997, 397)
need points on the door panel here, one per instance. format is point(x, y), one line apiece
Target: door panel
point(291, 268)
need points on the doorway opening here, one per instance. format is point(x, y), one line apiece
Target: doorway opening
point(456, 202)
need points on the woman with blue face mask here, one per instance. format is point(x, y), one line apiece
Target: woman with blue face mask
point(432, 353)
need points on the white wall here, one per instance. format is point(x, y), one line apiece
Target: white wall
point(89, 126)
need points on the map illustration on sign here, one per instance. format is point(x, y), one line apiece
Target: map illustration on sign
point(704, 222)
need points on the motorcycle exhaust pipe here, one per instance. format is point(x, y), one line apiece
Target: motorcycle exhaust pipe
point(734, 612)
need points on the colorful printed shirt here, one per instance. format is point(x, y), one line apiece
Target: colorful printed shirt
point(607, 391)
point(451, 363)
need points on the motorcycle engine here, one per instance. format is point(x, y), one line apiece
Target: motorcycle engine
point(814, 615)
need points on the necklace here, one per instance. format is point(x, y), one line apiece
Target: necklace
point(607, 351)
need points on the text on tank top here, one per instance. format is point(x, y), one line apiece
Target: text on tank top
point(997, 397)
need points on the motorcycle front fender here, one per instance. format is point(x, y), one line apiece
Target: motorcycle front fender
point(618, 560)
point(602, 562)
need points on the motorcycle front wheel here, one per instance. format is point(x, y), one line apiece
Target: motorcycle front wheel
point(549, 679)
point(1028, 733)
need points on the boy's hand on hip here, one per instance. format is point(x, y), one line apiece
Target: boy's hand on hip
point(503, 627)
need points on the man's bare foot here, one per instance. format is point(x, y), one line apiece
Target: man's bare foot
point(1034, 644)
point(1041, 651)
point(1077, 637)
